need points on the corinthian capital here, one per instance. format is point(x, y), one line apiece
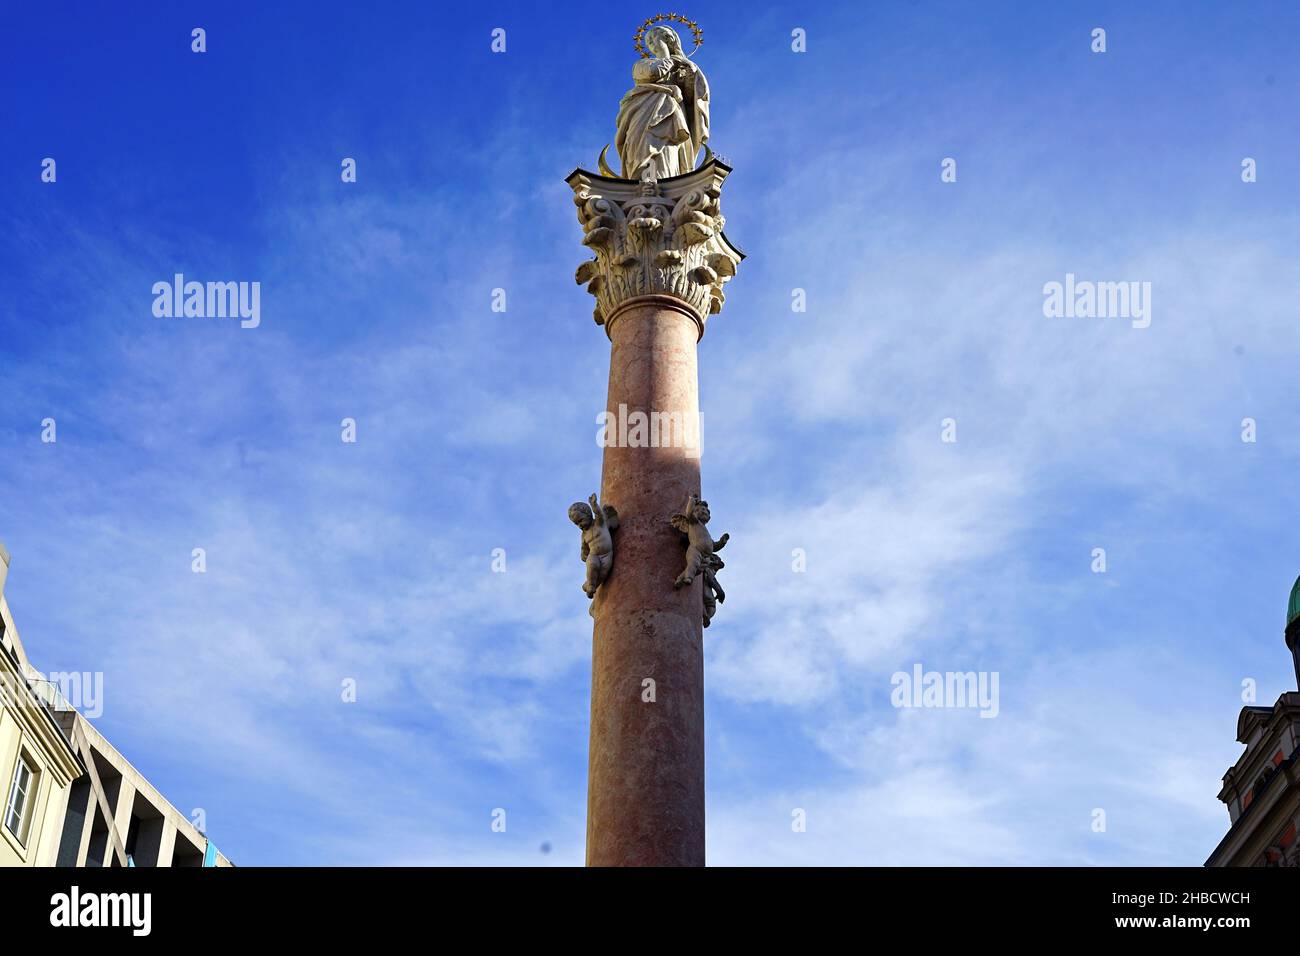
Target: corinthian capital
point(655, 237)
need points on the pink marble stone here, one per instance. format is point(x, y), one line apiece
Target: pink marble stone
point(645, 791)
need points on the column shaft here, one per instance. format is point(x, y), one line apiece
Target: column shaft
point(645, 799)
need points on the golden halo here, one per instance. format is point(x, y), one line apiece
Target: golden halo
point(696, 32)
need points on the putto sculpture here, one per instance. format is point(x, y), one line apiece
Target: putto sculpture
point(700, 547)
point(663, 121)
point(597, 524)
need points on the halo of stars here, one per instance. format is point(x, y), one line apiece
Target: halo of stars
point(696, 33)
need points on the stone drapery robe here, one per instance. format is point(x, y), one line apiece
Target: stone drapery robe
point(663, 121)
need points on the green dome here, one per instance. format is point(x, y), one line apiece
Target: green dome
point(1293, 609)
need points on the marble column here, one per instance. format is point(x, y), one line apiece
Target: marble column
point(661, 260)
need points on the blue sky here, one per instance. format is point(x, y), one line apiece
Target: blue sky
point(372, 561)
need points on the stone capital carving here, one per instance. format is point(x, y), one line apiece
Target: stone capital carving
point(655, 237)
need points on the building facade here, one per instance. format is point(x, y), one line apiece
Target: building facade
point(116, 817)
point(1262, 789)
point(38, 763)
point(70, 798)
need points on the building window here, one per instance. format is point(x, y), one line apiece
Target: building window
point(18, 809)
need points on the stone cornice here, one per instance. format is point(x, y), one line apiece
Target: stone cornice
point(1272, 723)
point(31, 715)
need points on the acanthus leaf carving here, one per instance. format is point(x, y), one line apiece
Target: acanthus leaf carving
point(655, 237)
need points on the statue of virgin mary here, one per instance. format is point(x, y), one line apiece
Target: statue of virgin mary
point(663, 121)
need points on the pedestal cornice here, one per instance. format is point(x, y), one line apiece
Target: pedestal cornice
point(660, 238)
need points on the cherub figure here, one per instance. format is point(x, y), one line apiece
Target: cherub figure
point(699, 544)
point(596, 523)
point(713, 593)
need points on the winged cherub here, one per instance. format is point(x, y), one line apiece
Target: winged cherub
point(700, 546)
point(596, 523)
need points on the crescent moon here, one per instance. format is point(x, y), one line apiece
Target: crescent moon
point(604, 166)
